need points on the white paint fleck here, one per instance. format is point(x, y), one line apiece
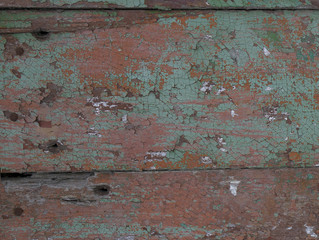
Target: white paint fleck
point(130, 237)
point(233, 187)
point(317, 165)
point(309, 231)
point(209, 234)
point(99, 104)
point(268, 89)
point(157, 154)
point(153, 168)
point(234, 87)
point(207, 87)
point(221, 141)
point(266, 52)
point(233, 114)
point(223, 149)
point(154, 156)
point(221, 90)
point(97, 111)
point(206, 160)
point(286, 138)
point(207, 4)
point(124, 118)
point(93, 132)
point(289, 228)
point(271, 119)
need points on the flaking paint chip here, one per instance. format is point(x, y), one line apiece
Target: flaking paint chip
point(266, 52)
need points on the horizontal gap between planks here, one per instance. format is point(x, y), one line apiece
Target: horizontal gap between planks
point(29, 174)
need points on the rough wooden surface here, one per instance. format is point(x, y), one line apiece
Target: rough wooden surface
point(162, 4)
point(158, 90)
point(224, 204)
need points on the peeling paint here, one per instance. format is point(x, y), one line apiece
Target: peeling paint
point(266, 52)
point(310, 231)
point(233, 114)
point(233, 187)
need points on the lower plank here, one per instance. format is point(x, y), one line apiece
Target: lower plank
point(223, 204)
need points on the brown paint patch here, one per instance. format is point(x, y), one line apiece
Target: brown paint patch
point(44, 124)
point(19, 51)
point(28, 145)
point(11, 116)
point(54, 92)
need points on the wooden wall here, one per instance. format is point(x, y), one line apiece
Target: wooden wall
point(159, 119)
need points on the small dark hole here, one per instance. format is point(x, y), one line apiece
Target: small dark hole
point(14, 117)
point(19, 51)
point(18, 211)
point(41, 34)
point(55, 145)
point(102, 190)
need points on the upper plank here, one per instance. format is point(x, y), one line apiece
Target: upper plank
point(160, 4)
point(134, 90)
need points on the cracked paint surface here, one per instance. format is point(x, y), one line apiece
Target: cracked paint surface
point(116, 90)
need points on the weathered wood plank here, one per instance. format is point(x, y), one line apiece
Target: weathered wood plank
point(226, 204)
point(163, 90)
point(160, 4)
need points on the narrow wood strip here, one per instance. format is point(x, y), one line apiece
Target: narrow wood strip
point(234, 204)
point(160, 4)
point(172, 90)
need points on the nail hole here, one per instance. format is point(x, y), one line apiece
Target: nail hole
point(14, 117)
point(18, 211)
point(102, 190)
point(41, 34)
point(19, 51)
point(53, 146)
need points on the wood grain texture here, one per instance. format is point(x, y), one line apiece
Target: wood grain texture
point(226, 204)
point(121, 90)
point(162, 4)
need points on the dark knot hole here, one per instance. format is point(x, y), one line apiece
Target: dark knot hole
point(102, 190)
point(41, 34)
